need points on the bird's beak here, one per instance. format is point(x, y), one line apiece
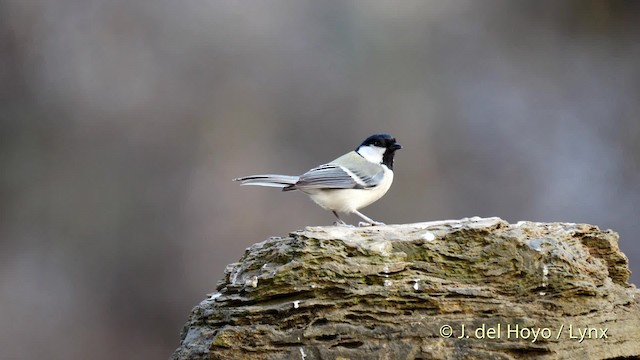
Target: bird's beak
point(396, 146)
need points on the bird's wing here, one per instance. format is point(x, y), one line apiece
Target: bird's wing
point(336, 175)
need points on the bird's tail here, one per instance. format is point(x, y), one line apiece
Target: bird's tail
point(285, 182)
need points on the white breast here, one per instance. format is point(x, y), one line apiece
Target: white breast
point(348, 200)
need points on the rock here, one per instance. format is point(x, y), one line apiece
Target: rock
point(470, 288)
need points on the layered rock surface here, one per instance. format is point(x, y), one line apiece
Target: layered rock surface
point(470, 288)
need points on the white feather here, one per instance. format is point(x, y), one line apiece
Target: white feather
point(355, 177)
point(265, 184)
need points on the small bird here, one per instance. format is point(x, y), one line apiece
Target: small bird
point(346, 184)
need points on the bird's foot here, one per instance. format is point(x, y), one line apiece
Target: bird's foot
point(374, 223)
point(341, 223)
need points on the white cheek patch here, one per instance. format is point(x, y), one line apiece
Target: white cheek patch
point(372, 153)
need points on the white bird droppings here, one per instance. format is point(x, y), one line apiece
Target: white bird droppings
point(429, 236)
point(304, 356)
point(415, 285)
point(296, 304)
point(545, 277)
point(253, 282)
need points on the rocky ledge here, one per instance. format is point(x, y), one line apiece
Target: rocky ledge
point(470, 288)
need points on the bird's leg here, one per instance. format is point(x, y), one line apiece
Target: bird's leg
point(339, 222)
point(369, 222)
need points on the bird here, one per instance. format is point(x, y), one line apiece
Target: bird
point(345, 185)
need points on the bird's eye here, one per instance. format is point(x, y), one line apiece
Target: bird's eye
point(378, 143)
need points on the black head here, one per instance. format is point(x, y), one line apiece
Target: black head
point(382, 141)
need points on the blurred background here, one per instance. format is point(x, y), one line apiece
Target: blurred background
point(123, 122)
